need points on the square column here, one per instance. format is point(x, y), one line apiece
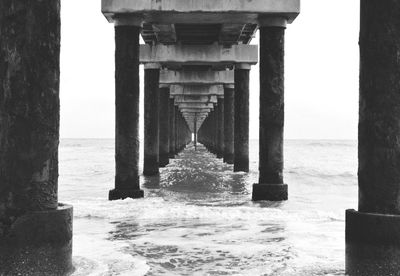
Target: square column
point(171, 128)
point(35, 229)
point(271, 186)
point(220, 129)
point(151, 119)
point(126, 113)
point(241, 129)
point(229, 94)
point(373, 232)
point(164, 127)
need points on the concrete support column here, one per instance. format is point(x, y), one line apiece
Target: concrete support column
point(151, 111)
point(271, 186)
point(126, 113)
point(35, 230)
point(241, 136)
point(229, 94)
point(195, 132)
point(373, 232)
point(164, 127)
point(177, 130)
point(220, 129)
point(171, 128)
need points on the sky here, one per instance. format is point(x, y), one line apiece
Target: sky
point(321, 72)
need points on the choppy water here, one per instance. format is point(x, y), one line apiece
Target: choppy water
point(197, 217)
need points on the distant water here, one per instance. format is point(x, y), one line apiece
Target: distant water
point(197, 218)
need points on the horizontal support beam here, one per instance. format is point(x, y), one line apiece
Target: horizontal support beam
point(196, 99)
point(196, 105)
point(197, 77)
point(176, 90)
point(174, 55)
point(195, 110)
point(206, 11)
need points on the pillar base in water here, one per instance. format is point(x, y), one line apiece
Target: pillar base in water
point(372, 243)
point(164, 161)
point(117, 194)
point(39, 243)
point(271, 192)
point(228, 158)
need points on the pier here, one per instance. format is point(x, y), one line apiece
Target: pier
point(197, 59)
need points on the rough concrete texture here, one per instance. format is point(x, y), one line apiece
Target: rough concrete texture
point(164, 127)
point(372, 243)
point(126, 113)
point(241, 129)
point(151, 115)
point(39, 243)
point(379, 128)
point(195, 55)
point(229, 97)
point(271, 105)
point(29, 108)
point(209, 10)
point(171, 128)
point(196, 77)
point(220, 130)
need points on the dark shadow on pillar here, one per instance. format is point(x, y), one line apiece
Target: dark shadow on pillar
point(241, 129)
point(151, 130)
point(229, 94)
point(270, 185)
point(171, 128)
point(126, 113)
point(220, 130)
point(164, 127)
point(373, 232)
point(35, 230)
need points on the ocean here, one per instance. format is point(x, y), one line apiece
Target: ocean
point(197, 217)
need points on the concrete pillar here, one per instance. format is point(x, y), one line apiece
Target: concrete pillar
point(195, 132)
point(164, 127)
point(177, 130)
point(126, 113)
point(229, 94)
point(220, 129)
point(241, 136)
point(373, 232)
point(171, 128)
point(270, 185)
point(35, 230)
point(151, 111)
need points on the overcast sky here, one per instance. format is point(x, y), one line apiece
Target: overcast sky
point(321, 72)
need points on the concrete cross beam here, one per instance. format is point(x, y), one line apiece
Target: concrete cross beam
point(196, 77)
point(195, 110)
point(196, 99)
point(177, 90)
point(175, 56)
point(196, 105)
point(206, 11)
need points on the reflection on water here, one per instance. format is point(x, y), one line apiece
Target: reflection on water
point(197, 217)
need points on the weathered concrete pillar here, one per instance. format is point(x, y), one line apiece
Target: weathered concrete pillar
point(220, 129)
point(171, 128)
point(164, 127)
point(241, 129)
point(195, 132)
point(271, 186)
point(126, 113)
point(151, 111)
point(373, 233)
point(229, 94)
point(35, 230)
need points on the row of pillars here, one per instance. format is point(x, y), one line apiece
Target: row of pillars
point(270, 186)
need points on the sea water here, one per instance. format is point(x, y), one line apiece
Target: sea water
point(197, 217)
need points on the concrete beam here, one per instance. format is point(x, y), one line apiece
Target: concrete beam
point(176, 90)
point(197, 77)
point(195, 110)
point(196, 105)
point(196, 98)
point(177, 55)
point(207, 11)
